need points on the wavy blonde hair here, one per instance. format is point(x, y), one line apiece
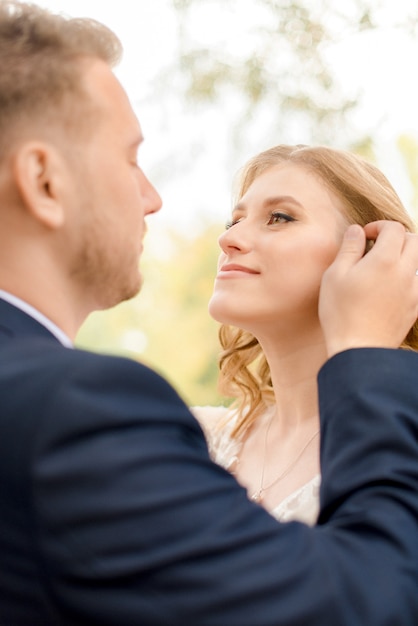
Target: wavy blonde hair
point(366, 196)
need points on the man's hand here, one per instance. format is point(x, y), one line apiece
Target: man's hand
point(370, 300)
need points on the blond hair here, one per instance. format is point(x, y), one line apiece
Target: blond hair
point(40, 75)
point(366, 196)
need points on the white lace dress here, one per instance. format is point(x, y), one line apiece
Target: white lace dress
point(301, 505)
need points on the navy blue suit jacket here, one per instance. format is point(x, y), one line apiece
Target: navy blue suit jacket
point(111, 512)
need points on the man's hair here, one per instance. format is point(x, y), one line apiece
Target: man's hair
point(40, 62)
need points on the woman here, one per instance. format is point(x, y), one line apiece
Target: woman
point(293, 206)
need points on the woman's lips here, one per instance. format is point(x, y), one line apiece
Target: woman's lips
point(233, 269)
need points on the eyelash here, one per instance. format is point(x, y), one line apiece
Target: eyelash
point(284, 216)
point(273, 216)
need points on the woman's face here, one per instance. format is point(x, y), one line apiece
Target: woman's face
point(284, 233)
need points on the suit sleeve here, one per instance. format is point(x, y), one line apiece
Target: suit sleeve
point(137, 526)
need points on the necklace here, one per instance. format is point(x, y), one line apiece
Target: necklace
point(257, 496)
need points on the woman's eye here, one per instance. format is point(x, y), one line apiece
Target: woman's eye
point(279, 218)
point(231, 224)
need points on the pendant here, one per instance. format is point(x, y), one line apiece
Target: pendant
point(257, 496)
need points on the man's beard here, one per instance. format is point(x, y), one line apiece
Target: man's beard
point(109, 273)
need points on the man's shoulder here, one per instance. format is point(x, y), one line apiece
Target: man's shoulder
point(48, 362)
point(85, 391)
point(50, 351)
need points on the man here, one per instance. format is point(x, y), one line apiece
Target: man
point(111, 511)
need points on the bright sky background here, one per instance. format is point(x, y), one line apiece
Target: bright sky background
point(384, 63)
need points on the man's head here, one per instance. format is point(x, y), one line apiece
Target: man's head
point(39, 75)
point(72, 196)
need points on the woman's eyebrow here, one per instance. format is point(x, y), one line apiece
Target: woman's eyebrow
point(273, 201)
point(277, 200)
point(240, 207)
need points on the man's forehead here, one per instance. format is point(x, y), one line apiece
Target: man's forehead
point(107, 94)
point(103, 86)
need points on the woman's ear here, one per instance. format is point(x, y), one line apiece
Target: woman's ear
point(38, 171)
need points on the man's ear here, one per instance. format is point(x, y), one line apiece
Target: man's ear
point(38, 172)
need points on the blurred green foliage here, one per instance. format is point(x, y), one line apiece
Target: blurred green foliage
point(278, 63)
point(408, 147)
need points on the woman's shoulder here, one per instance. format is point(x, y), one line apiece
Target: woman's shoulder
point(217, 423)
point(214, 420)
point(210, 416)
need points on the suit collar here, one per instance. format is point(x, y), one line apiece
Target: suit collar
point(15, 322)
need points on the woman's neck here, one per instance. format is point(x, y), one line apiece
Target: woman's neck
point(294, 367)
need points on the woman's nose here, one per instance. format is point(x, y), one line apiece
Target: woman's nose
point(236, 237)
